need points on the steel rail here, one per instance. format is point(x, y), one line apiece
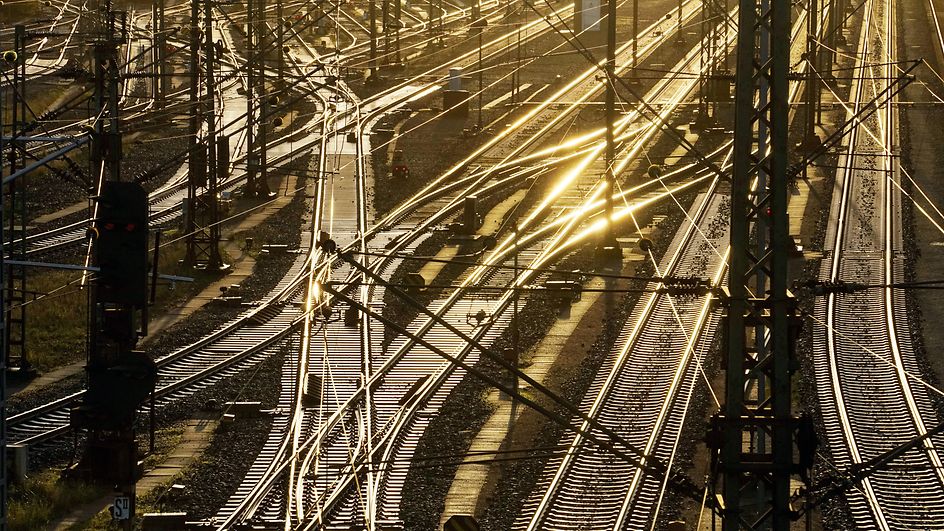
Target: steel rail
point(862, 209)
point(432, 385)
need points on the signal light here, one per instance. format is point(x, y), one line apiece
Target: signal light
point(122, 244)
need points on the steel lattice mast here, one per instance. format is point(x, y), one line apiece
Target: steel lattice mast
point(756, 422)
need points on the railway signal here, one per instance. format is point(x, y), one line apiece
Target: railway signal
point(121, 245)
point(120, 378)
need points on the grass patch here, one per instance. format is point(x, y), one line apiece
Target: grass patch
point(19, 12)
point(55, 331)
point(169, 294)
point(39, 500)
point(56, 323)
point(39, 95)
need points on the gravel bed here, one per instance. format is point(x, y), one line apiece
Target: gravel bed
point(403, 313)
point(692, 437)
point(464, 413)
point(520, 477)
point(60, 452)
point(835, 512)
point(466, 410)
point(211, 480)
point(429, 150)
point(395, 308)
point(48, 192)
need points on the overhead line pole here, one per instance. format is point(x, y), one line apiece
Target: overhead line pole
point(251, 162)
point(812, 85)
point(610, 104)
point(15, 311)
point(280, 33)
point(209, 205)
point(754, 431)
point(262, 184)
point(385, 26)
point(372, 14)
point(609, 256)
point(396, 38)
point(196, 161)
point(162, 81)
point(4, 480)
point(635, 34)
point(155, 54)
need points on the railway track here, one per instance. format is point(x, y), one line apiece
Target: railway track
point(649, 379)
point(353, 403)
point(867, 373)
point(339, 424)
point(643, 389)
point(167, 200)
point(244, 341)
point(409, 421)
point(51, 420)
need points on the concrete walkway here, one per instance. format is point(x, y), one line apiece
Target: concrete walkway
point(61, 213)
point(240, 269)
point(469, 491)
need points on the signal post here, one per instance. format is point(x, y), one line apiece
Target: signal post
point(120, 377)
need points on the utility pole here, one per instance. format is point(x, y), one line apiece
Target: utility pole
point(441, 31)
point(372, 15)
point(478, 126)
point(385, 28)
point(478, 26)
point(430, 12)
point(15, 319)
point(396, 38)
point(754, 431)
point(713, 86)
point(162, 80)
point(217, 149)
point(257, 184)
point(609, 257)
point(203, 236)
point(280, 34)
point(197, 161)
point(612, 21)
point(262, 185)
point(679, 38)
point(516, 75)
point(155, 54)
point(610, 108)
point(811, 140)
point(11, 58)
point(826, 61)
point(251, 162)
